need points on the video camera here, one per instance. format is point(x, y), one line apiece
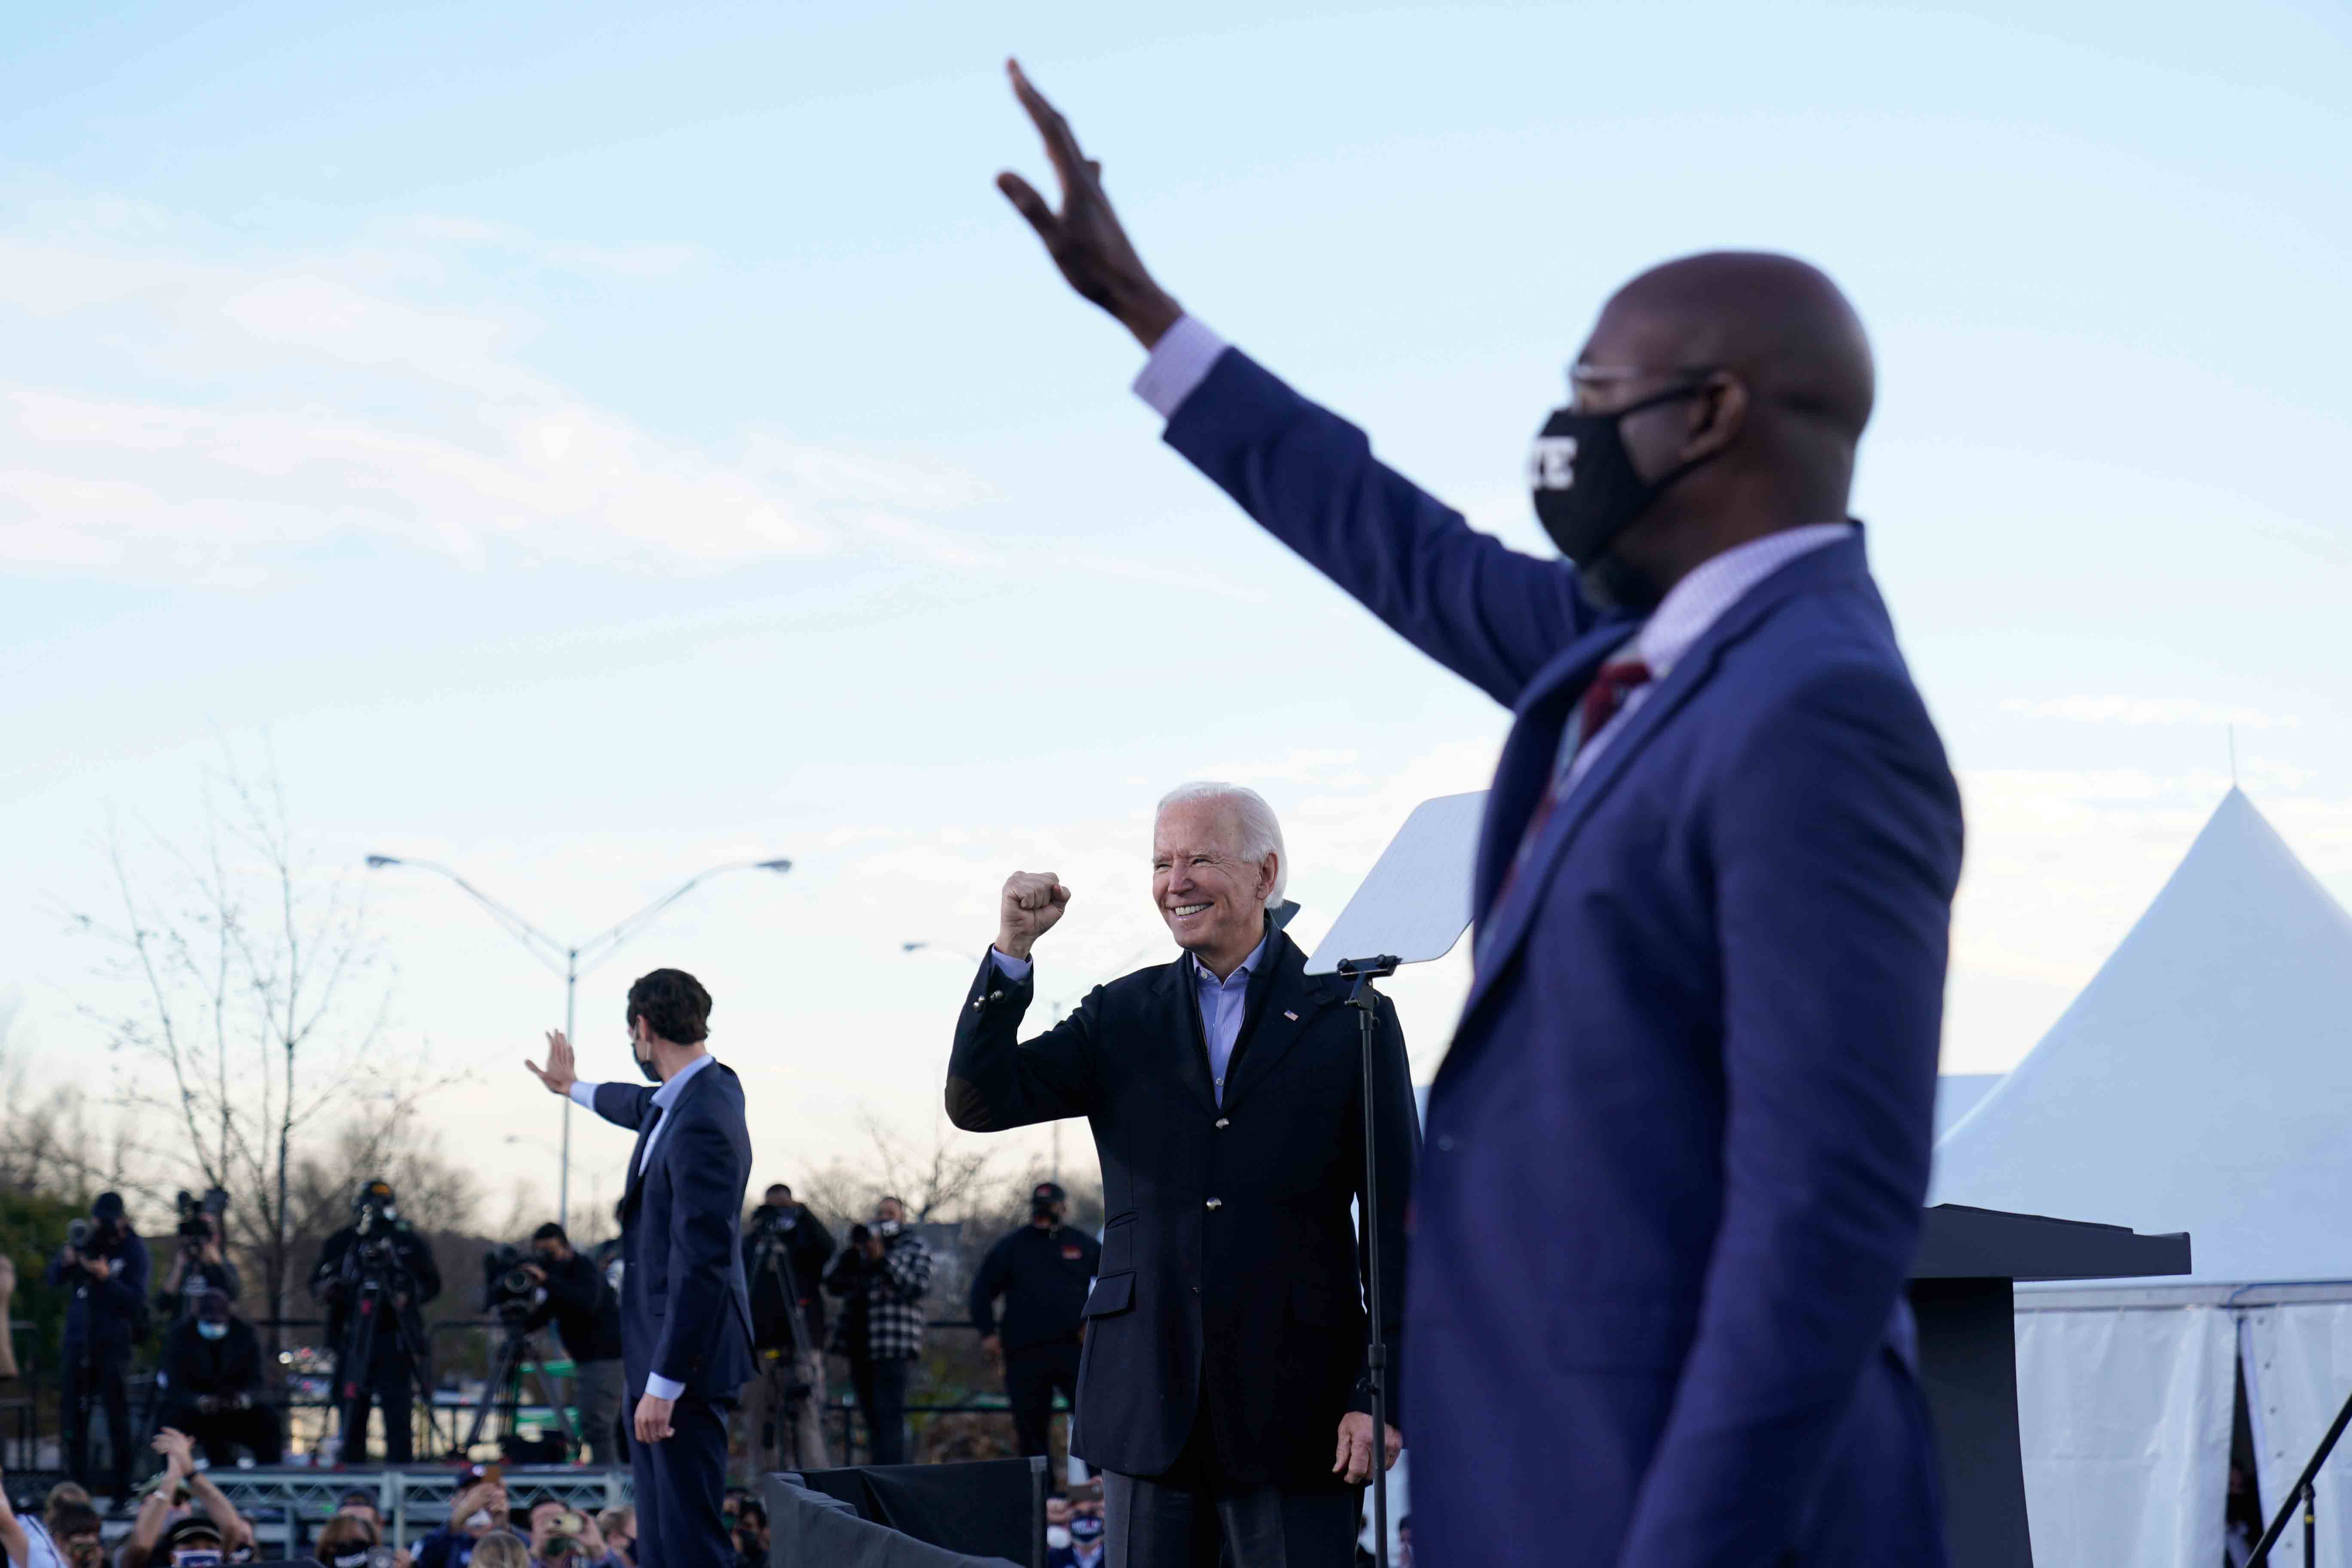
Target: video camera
point(507, 1288)
point(77, 1235)
point(201, 1217)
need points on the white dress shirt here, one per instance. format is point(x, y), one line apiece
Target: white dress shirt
point(665, 1097)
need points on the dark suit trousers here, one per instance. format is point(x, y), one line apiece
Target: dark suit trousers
point(681, 1482)
point(881, 1387)
point(1191, 1518)
point(1031, 1375)
point(94, 1377)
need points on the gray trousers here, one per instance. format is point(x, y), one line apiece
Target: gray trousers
point(596, 1390)
point(798, 1436)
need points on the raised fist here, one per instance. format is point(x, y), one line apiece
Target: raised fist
point(1033, 901)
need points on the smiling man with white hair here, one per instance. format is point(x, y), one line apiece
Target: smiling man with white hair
point(1222, 1389)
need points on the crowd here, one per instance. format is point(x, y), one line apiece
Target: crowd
point(865, 1298)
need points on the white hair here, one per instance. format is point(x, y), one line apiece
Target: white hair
point(1261, 834)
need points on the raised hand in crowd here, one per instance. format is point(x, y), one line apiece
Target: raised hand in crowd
point(1086, 239)
point(1032, 903)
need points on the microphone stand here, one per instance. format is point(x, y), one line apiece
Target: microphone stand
point(1360, 973)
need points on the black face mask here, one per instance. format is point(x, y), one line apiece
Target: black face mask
point(1586, 489)
point(644, 1064)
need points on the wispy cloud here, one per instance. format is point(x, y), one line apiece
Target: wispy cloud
point(2122, 709)
point(181, 410)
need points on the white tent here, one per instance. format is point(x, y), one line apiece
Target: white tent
point(2202, 1081)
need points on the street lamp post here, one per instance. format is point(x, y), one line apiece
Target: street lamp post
point(577, 960)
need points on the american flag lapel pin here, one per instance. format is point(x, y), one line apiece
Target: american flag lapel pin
point(1289, 1014)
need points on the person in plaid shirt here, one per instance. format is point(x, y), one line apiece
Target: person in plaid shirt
point(882, 1275)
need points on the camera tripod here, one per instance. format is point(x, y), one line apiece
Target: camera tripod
point(771, 1260)
point(502, 1394)
point(377, 1280)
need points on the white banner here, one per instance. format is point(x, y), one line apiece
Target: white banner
point(2298, 1372)
point(2123, 1421)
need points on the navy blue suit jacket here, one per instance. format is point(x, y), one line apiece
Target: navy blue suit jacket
point(1678, 1152)
point(684, 1311)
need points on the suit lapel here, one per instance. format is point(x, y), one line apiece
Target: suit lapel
point(1525, 769)
point(1180, 1008)
point(1828, 565)
point(1283, 1000)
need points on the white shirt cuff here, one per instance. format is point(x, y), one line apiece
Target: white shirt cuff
point(1010, 967)
point(1180, 361)
point(661, 1387)
point(584, 1095)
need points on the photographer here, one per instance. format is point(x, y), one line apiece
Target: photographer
point(560, 1538)
point(785, 1250)
point(377, 1257)
point(587, 1318)
point(104, 1264)
point(201, 1265)
point(882, 1274)
point(210, 1384)
point(1043, 1271)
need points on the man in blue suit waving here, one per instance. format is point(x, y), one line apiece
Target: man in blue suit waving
point(1675, 1156)
point(685, 1314)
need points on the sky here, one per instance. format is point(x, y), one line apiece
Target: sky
point(588, 444)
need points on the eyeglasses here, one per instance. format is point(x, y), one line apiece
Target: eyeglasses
point(1586, 382)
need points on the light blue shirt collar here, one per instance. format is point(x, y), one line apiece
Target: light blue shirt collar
point(1202, 975)
point(666, 1095)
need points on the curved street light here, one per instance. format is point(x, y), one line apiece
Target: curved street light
point(575, 960)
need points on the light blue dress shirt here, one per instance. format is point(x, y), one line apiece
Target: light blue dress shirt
point(665, 1097)
point(1221, 1002)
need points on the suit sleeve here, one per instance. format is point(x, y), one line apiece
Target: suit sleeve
point(1835, 861)
point(1486, 612)
point(1397, 1121)
point(988, 1285)
point(706, 1185)
point(994, 1080)
point(624, 1104)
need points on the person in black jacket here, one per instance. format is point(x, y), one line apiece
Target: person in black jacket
point(586, 1313)
point(376, 1258)
point(785, 1250)
point(1042, 1270)
point(106, 1272)
point(210, 1384)
point(1224, 1373)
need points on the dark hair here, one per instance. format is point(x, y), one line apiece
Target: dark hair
point(541, 1501)
point(674, 1005)
point(752, 1507)
point(74, 1518)
point(775, 1187)
point(550, 1231)
point(344, 1531)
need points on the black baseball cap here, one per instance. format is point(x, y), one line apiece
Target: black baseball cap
point(108, 1206)
point(188, 1532)
point(1048, 1193)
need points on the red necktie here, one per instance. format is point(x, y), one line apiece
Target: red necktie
point(1602, 700)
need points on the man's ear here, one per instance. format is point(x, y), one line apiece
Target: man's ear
point(1267, 870)
point(1718, 415)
